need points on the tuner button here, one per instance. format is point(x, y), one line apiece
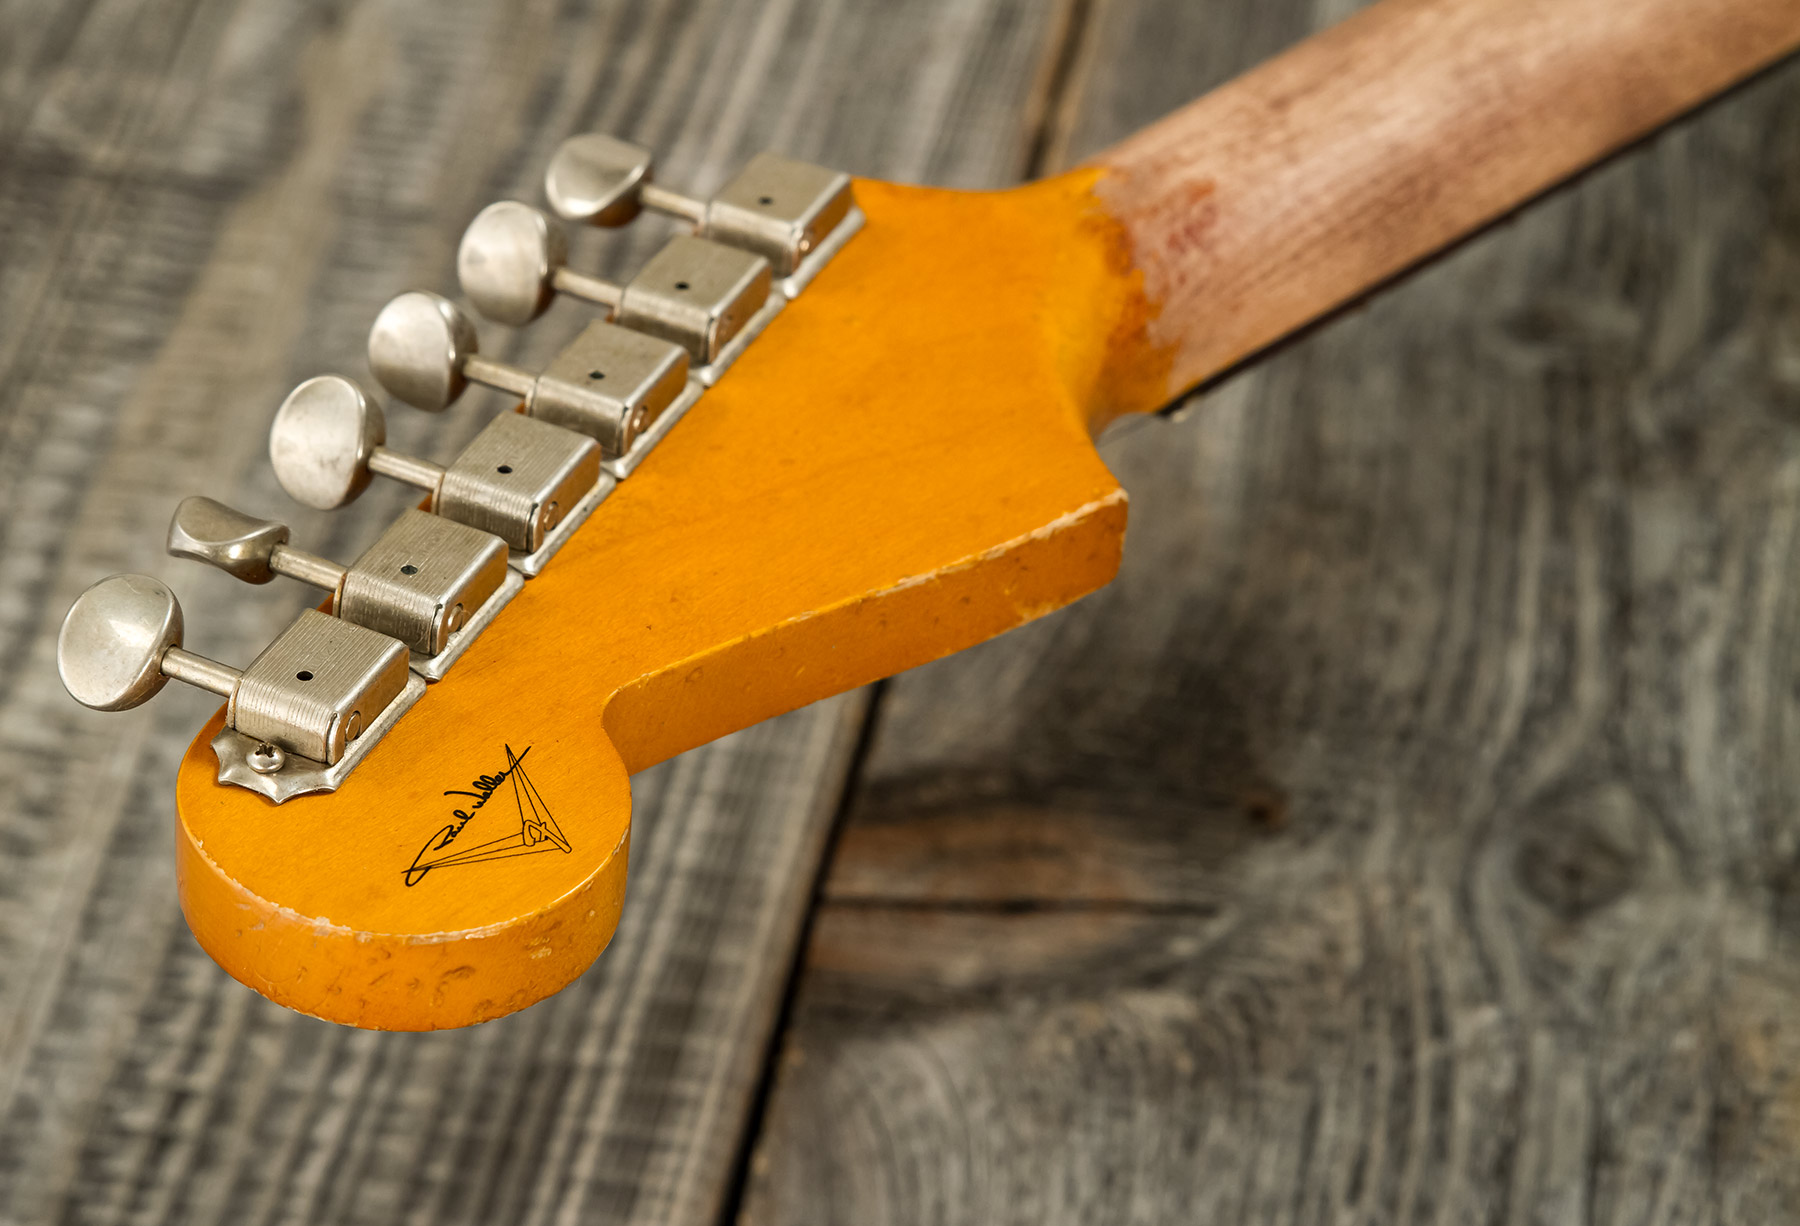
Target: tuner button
point(597, 179)
point(112, 642)
point(238, 544)
point(417, 349)
point(508, 260)
point(323, 436)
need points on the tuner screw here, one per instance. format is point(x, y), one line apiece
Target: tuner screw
point(266, 759)
point(604, 181)
point(512, 264)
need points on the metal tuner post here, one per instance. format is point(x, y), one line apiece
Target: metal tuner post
point(430, 582)
point(783, 210)
point(699, 294)
point(296, 719)
point(610, 384)
point(520, 479)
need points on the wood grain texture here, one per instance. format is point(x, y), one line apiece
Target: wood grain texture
point(200, 204)
point(1409, 834)
point(1327, 170)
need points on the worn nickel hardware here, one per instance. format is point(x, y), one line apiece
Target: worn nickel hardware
point(512, 263)
point(319, 697)
point(315, 699)
point(517, 479)
point(121, 642)
point(329, 438)
point(781, 209)
point(612, 384)
point(696, 293)
point(703, 296)
point(424, 580)
point(423, 351)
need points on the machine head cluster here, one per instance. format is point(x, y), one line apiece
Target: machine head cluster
point(318, 698)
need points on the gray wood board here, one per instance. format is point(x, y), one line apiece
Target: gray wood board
point(200, 204)
point(1410, 833)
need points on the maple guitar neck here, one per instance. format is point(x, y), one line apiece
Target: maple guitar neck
point(1326, 171)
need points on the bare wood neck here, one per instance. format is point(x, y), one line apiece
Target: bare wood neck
point(1326, 171)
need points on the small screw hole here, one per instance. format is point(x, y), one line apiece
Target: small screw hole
point(504, 468)
point(765, 200)
point(681, 285)
point(303, 675)
point(596, 374)
point(409, 569)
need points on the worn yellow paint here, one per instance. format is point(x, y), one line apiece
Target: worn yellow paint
point(900, 467)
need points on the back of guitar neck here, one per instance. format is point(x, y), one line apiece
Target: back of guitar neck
point(1339, 164)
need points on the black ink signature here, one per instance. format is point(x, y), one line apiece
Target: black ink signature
point(537, 831)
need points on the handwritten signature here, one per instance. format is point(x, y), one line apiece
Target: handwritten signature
point(537, 831)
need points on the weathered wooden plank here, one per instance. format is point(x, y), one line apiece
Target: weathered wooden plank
point(1408, 834)
point(200, 203)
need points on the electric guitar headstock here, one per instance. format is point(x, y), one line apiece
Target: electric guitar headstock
point(838, 430)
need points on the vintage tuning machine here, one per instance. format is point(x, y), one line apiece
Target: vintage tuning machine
point(526, 481)
point(793, 214)
point(430, 582)
point(611, 384)
point(296, 720)
point(708, 298)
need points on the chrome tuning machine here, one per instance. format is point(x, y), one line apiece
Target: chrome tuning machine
point(429, 582)
point(519, 479)
point(781, 209)
point(296, 719)
point(699, 294)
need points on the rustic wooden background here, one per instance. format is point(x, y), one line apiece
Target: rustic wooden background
point(1411, 834)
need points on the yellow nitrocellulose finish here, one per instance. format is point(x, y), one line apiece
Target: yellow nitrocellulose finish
point(900, 467)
